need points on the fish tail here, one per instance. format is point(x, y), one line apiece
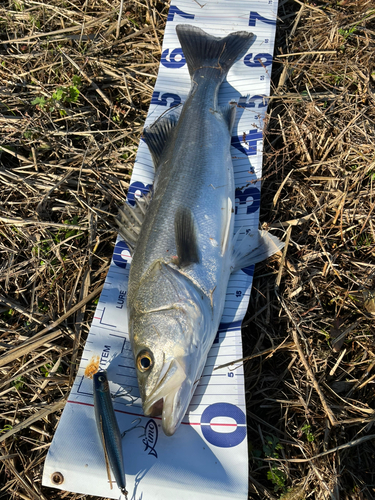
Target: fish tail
point(202, 50)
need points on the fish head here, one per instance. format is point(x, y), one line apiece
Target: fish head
point(170, 345)
point(168, 364)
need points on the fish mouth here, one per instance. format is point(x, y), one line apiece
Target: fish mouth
point(165, 399)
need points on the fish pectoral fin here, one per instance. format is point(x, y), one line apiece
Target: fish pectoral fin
point(156, 135)
point(229, 115)
point(186, 237)
point(254, 248)
point(130, 220)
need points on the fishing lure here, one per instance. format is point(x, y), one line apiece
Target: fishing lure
point(108, 428)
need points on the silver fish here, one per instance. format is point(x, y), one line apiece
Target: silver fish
point(184, 251)
point(108, 429)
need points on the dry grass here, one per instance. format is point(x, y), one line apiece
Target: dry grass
point(307, 400)
point(75, 85)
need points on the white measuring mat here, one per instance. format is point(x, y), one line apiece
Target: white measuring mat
point(207, 457)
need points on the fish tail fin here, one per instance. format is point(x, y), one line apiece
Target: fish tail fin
point(202, 50)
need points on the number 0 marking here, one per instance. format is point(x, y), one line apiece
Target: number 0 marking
point(220, 439)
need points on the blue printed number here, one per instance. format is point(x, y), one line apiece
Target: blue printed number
point(244, 102)
point(220, 439)
point(254, 17)
point(248, 270)
point(176, 58)
point(121, 254)
point(137, 189)
point(259, 60)
point(250, 197)
point(247, 142)
point(175, 10)
point(162, 100)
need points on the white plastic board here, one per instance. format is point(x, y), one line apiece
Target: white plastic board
point(207, 458)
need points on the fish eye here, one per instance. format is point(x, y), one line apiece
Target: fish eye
point(144, 361)
point(101, 378)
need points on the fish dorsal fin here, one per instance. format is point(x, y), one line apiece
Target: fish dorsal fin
point(131, 219)
point(186, 237)
point(229, 114)
point(156, 135)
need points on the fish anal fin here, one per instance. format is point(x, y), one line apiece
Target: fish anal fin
point(254, 248)
point(186, 237)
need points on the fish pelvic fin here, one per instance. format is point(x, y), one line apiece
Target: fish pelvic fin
point(254, 248)
point(202, 50)
point(156, 135)
point(186, 237)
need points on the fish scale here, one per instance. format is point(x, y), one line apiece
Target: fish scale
point(196, 159)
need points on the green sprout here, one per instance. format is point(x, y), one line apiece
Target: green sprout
point(18, 383)
point(6, 428)
point(278, 479)
point(306, 430)
point(271, 448)
point(63, 95)
point(45, 369)
point(347, 33)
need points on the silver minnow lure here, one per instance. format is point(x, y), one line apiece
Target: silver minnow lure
point(108, 429)
point(184, 249)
